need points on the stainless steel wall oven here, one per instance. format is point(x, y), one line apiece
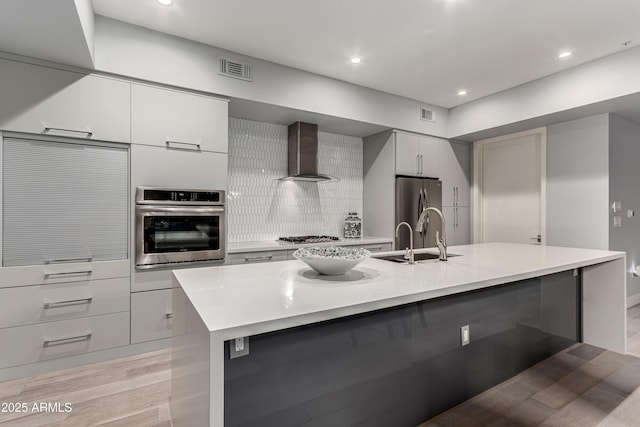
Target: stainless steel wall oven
point(176, 226)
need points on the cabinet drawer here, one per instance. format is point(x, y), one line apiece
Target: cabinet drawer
point(371, 247)
point(44, 341)
point(377, 247)
point(45, 303)
point(56, 102)
point(62, 273)
point(178, 120)
point(150, 315)
point(252, 257)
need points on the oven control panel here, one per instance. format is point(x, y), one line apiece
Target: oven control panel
point(147, 195)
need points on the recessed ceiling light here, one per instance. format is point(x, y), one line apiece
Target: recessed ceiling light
point(355, 60)
point(565, 54)
point(165, 2)
point(462, 92)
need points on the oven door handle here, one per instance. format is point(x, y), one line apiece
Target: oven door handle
point(179, 210)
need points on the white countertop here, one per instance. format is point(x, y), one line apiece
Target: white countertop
point(275, 245)
point(243, 300)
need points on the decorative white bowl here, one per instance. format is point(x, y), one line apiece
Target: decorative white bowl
point(331, 260)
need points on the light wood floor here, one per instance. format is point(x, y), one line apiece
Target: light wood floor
point(132, 391)
point(576, 387)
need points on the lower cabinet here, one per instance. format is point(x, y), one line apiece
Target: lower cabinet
point(51, 340)
point(150, 315)
point(287, 254)
point(27, 305)
point(377, 247)
point(260, 256)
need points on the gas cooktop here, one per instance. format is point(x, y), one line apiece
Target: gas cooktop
point(308, 239)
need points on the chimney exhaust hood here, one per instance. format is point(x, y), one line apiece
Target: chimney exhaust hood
point(303, 154)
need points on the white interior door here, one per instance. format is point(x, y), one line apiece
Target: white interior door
point(509, 189)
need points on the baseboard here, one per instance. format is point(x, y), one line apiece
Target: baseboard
point(52, 365)
point(633, 300)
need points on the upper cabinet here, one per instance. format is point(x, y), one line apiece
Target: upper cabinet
point(455, 164)
point(49, 101)
point(178, 120)
point(417, 155)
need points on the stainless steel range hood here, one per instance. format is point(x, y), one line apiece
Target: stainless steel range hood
point(303, 154)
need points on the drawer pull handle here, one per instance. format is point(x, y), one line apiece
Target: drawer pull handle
point(177, 145)
point(68, 340)
point(67, 273)
point(87, 132)
point(68, 302)
point(258, 258)
point(376, 248)
point(168, 316)
point(68, 260)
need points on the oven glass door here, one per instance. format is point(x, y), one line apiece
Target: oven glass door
point(172, 234)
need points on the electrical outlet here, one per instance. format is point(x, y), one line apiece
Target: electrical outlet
point(238, 347)
point(617, 221)
point(464, 335)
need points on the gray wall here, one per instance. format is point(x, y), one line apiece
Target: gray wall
point(592, 162)
point(624, 180)
point(583, 86)
point(132, 51)
point(578, 183)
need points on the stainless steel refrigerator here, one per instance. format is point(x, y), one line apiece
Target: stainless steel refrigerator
point(413, 195)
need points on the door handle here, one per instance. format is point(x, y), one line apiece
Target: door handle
point(417, 164)
point(421, 164)
point(178, 145)
point(68, 302)
point(258, 258)
point(88, 132)
point(67, 340)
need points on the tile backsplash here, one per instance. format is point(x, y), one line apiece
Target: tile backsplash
point(260, 207)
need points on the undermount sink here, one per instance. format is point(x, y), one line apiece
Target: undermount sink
point(417, 257)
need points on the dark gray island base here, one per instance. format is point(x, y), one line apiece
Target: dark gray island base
point(400, 366)
point(381, 346)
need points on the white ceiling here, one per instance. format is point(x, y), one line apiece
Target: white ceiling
point(422, 49)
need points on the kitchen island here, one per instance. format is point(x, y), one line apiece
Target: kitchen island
point(285, 308)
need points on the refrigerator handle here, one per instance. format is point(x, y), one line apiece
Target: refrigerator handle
point(419, 203)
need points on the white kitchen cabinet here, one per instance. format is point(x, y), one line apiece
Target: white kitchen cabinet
point(51, 340)
point(458, 224)
point(258, 256)
point(44, 100)
point(63, 273)
point(160, 167)
point(178, 120)
point(26, 305)
point(455, 164)
point(150, 315)
point(63, 201)
point(371, 247)
point(417, 155)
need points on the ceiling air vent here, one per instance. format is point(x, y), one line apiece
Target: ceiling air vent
point(426, 114)
point(236, 69)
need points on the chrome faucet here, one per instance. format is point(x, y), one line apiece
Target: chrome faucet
point(408, 251)
point(440, 242)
